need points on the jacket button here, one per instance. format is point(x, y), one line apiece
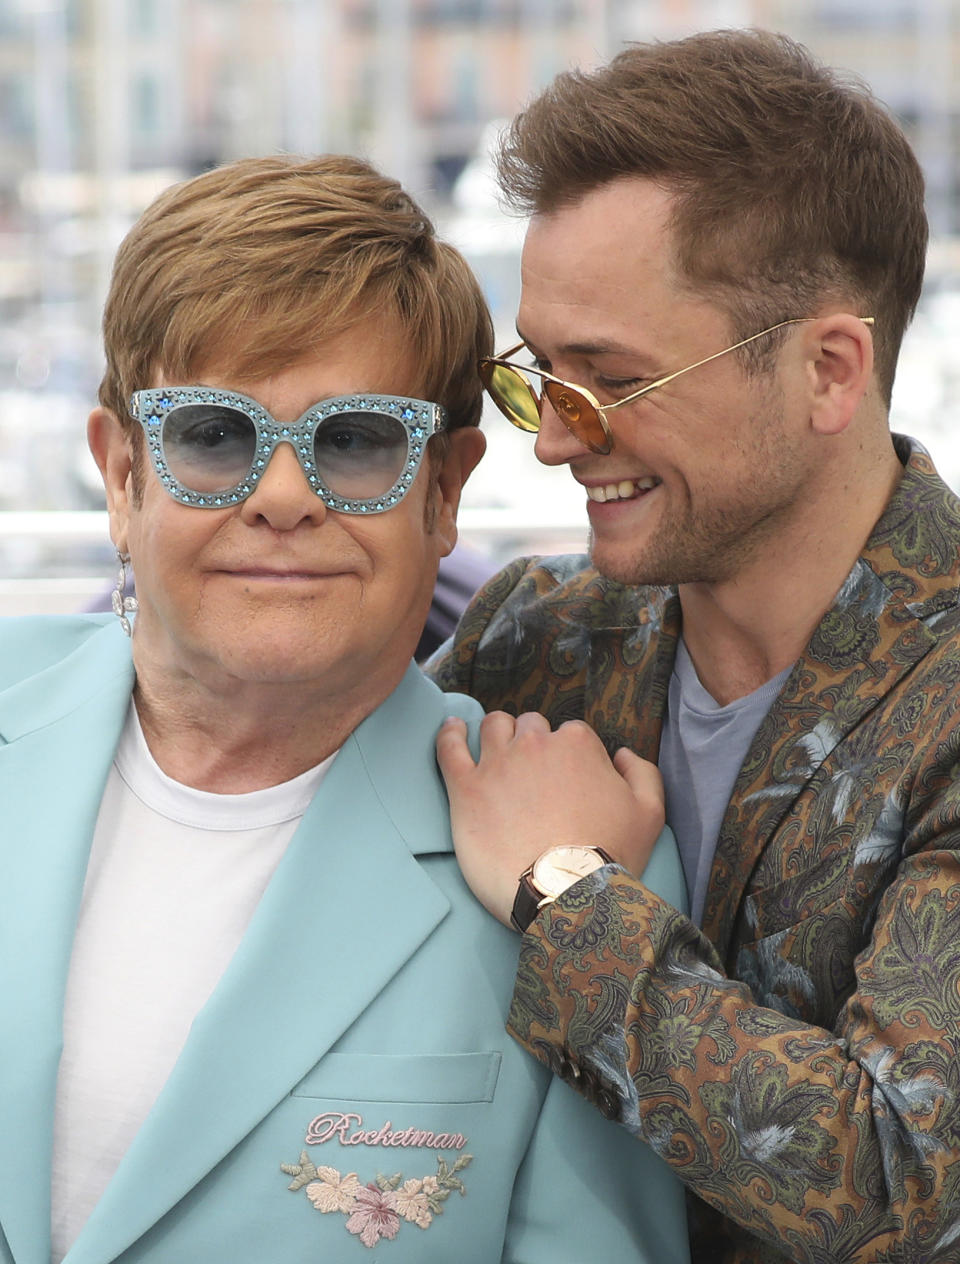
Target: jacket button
point(557, 1062)
point(608, 1104)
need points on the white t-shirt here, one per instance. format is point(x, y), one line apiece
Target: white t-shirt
point(173, 879)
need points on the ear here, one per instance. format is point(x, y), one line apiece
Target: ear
point(111, 447)
point(465, 446)
point(840, 369)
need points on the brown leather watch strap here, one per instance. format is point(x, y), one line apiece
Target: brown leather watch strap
point(530, 899)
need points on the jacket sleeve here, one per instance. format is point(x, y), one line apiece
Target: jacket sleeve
point(586, 1190)
point(830, 1145)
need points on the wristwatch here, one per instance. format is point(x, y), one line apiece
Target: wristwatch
point(550, 875)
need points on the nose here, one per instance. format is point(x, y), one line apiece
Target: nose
point(283, 498)
point(555, 444)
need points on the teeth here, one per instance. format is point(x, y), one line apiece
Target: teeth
point(623, 490)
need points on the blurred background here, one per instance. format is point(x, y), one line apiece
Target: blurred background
point(105, 102)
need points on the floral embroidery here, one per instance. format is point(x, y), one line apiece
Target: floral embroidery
point(412, 1202)
point(374, 1217)
point(378, 1209)
point(333, 1192)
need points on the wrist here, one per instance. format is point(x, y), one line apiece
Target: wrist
point(553, 872)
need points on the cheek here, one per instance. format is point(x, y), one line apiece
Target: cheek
point(168, 543)
point(162, 580)
point(660, 429)
point(405, 558)
point(401, 552)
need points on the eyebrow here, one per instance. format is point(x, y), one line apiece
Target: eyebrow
point(592, 348)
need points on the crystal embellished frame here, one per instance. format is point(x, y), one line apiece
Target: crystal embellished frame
point(419, 418)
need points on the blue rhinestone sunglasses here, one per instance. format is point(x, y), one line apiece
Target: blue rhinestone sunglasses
point(359, 453)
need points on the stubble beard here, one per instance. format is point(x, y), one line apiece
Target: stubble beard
point(715, 543)
point(706, 549)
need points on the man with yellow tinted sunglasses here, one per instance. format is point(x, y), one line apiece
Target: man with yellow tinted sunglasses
point(727, 242)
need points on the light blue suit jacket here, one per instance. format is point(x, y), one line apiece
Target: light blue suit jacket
point(358, 1029)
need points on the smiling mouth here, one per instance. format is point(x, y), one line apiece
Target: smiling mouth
point(626, 489)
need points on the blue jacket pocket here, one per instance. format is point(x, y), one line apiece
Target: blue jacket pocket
point(403, 1077)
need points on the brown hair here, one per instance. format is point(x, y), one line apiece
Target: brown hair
point(262, 258)
point(792, 186)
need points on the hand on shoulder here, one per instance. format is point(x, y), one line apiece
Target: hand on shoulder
point(531, 789)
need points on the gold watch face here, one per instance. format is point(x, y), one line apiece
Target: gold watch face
point(561, 867)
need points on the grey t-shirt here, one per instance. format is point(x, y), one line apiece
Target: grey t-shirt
point(702, 749)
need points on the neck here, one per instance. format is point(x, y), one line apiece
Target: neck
point(240, 738)
point(742, 631)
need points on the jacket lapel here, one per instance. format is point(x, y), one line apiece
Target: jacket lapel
point(880, 625)
point(347, 906)
point(60, 728)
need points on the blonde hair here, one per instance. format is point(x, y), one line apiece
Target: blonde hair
point(260, 260)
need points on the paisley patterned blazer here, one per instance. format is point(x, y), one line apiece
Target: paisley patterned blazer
point(798, 1062)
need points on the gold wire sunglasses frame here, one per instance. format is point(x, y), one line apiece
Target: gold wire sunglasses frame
point(579, 409)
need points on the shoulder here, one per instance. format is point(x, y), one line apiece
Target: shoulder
point(534, 622)
point(532, 583)
point(915, 546)
point(535, 594)
point(31, 643)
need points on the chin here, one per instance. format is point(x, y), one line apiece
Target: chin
point(257, 669)
point(279, 656)
point(629, 570)
point(698, 563)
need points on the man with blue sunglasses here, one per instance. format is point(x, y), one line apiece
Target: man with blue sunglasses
point(251, 1011)
point(727, 242)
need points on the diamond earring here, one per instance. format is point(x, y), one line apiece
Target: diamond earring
point(120, 602)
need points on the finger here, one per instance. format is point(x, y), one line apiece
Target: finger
point(453, 753)
point(532, 722)
point(584, 739)
point(641, 776)
point(497, 728)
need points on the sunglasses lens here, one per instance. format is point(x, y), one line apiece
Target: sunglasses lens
point(512, 394)
point(360, 455)
point(578, 415)
point(208, 447)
